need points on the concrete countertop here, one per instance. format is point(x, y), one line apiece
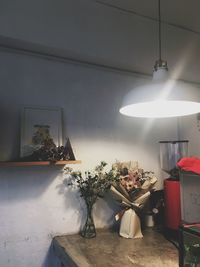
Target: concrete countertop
point(108, 249)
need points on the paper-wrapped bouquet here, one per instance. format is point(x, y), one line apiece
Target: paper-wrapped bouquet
point(132, 191)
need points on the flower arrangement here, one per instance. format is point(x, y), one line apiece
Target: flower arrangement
point(92, 185)
point(48, 151)
point(126, 180)
point(133, 181)
point(132, 191)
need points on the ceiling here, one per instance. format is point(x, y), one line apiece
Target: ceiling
point(122, 34)
point(180, 13)
point(180, 34)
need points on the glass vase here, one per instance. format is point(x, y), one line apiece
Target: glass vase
point(89, 230)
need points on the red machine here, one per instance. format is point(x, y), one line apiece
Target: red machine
point(172, 204)
point(170, 153)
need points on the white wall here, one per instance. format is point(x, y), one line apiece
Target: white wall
point(34, 206)
point(189, 128)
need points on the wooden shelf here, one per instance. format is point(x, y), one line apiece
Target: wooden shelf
point(37, 163)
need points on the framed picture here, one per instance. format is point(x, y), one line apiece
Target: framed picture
point(38, 124)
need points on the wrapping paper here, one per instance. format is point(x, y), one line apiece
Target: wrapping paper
point(132, 191)
point(130, 226)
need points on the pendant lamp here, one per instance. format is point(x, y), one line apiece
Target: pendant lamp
point(162, 97)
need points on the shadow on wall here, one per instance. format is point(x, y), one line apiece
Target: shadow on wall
point(10, 133)
point(104, 209)
point(21, 183)
point(72, 199)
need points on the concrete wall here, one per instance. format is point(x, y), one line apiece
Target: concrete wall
point(189, 128)
point(34, 204)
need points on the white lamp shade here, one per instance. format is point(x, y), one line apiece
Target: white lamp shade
point(161, 99)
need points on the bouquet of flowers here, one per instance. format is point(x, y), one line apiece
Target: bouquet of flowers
point(128, 184)
point(132, 190)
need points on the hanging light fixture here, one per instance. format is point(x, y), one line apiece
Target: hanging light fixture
point(163, 97)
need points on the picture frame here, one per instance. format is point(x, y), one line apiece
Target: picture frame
point(38, 123)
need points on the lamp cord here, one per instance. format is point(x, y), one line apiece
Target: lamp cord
point(159, 35)
point(160, 63)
